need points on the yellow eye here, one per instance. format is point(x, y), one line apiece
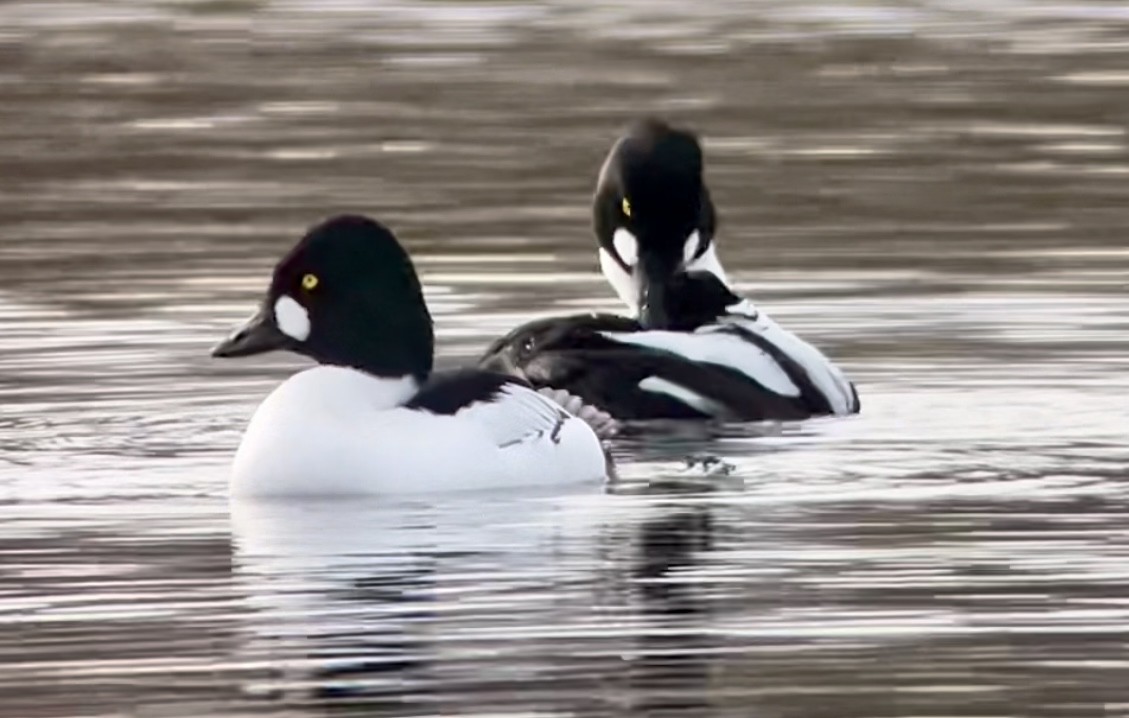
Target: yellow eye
point(309, 282)
point(626, 207)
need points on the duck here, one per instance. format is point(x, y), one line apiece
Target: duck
point(372, 417)
point(692, 347)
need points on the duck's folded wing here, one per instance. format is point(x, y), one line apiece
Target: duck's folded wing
point(507, 409)
point(821, 380)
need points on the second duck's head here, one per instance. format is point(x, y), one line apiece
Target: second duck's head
point(348, 295)
point(653, 216)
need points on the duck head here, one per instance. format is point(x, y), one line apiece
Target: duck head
point(346, 294)
point(653, 216)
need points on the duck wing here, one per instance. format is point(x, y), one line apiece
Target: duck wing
point(506, 407)
point(613, 363)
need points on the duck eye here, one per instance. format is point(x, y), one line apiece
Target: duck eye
point(625, 205)
point(309, 282)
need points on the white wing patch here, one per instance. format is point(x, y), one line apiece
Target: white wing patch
point(292, 318)
point(690, 398)
point(515, 415)
point(823, 374)
point(713, 347)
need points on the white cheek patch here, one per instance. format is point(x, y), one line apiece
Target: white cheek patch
point(626, 246)
point(619, 278)
point(691, 248)
point(292, 318)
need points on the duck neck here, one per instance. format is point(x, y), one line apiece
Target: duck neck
point(386, 392)
point(709, 262)
point(394, 365)
point(341, 390)
point(391, 346)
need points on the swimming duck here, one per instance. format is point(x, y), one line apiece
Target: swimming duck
point(372, 418)
point(694, 348)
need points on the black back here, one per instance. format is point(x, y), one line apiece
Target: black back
point(694, 299)
point(448, 392)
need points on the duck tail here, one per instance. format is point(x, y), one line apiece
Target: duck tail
point(603, 423)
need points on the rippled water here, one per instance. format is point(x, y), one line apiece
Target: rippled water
point(936, 193)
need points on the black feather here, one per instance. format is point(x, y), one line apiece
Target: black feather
point(448, 392)
point(572, 353)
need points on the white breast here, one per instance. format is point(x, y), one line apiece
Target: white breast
point(339, 431)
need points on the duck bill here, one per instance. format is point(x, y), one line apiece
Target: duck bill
point(258, 335)
point(652, 276)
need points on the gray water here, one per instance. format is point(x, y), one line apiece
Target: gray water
point(935, 193)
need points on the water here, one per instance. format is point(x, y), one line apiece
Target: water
point(935, 193)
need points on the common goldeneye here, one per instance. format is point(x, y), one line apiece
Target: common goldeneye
point(372, 418)
point(694, 348)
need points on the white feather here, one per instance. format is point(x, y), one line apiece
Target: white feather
point(336, 431)
point(743, 308)
point(827, 377)
point(603, 423)
point(690, 248)
point(708, 346)
point(292, 318)
point(620, 280)
point(516, 414)
point(658, 385)
point(626, 246)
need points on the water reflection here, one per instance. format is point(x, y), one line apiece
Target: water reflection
point(696, 603)
point(378, 602)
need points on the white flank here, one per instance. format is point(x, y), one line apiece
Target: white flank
point(335, 431)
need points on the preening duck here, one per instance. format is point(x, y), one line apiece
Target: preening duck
point(372, 418)
point(694, 348)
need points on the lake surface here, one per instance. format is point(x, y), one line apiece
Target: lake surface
point(936, 194)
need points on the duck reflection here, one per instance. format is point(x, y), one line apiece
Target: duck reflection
point(670, 672)
point(496, 602)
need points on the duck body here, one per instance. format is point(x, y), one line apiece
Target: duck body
point(738, 365)
point(693, 348)
point(339, 431)
point(372, 418)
